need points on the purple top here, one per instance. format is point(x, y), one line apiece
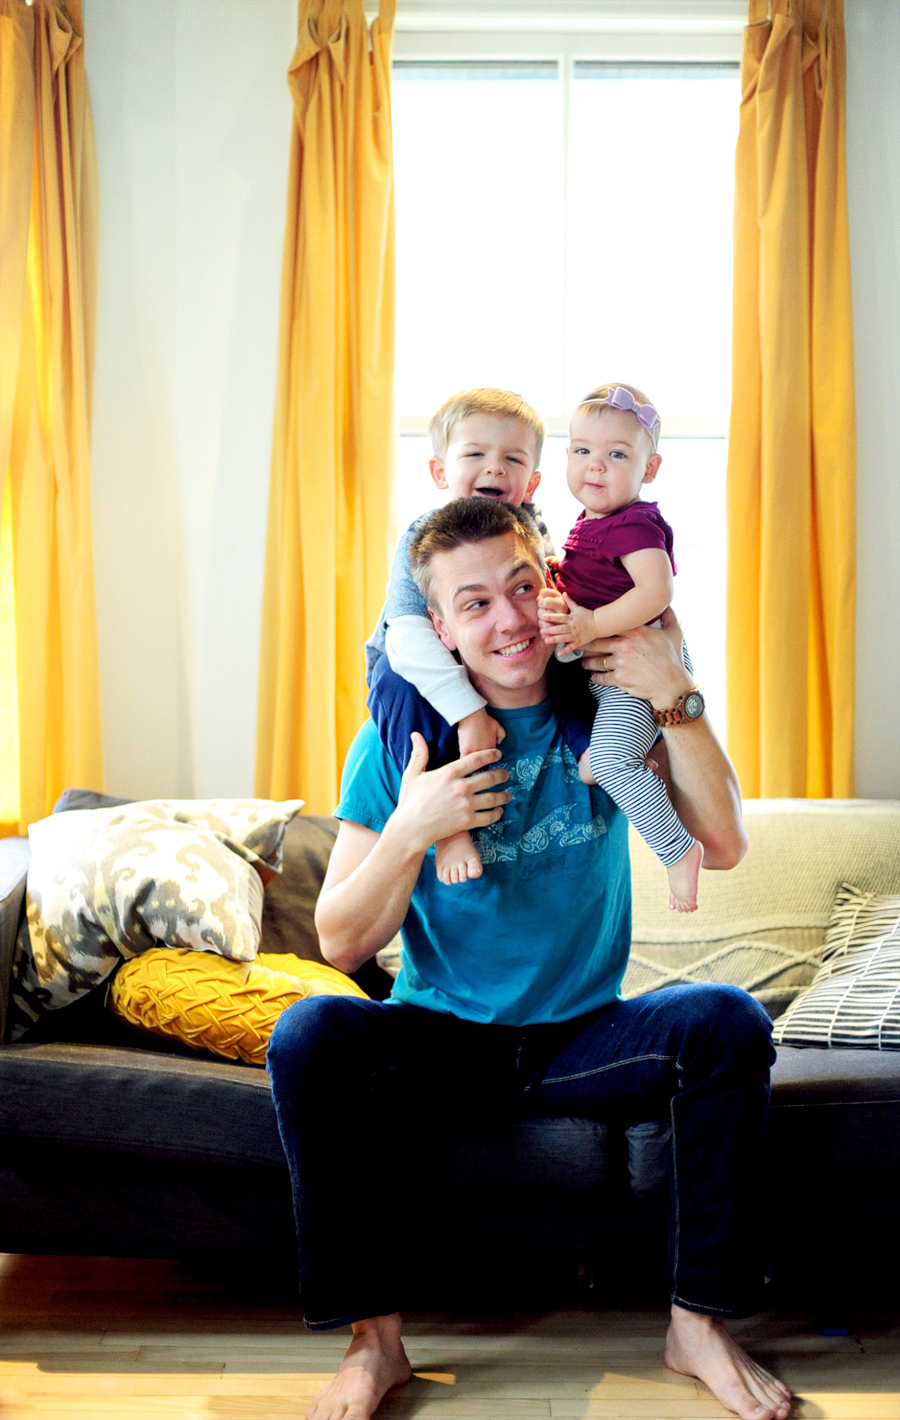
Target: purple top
point(591, 571)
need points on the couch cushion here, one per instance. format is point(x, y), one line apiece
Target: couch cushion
point(811, 1075)
point(834, 1109)
point(138, 1102)
point(762, 925)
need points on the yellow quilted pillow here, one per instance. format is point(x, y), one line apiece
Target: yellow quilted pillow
point(210, 1003)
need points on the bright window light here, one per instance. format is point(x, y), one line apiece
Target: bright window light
point(651, 159)
point(480, 236)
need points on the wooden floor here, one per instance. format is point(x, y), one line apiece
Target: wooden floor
point(105, 1339)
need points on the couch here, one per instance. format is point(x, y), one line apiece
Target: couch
point(115, 1142)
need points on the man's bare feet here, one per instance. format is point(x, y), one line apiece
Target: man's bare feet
point(684, 877)
point(456, 859)
point(375, 1361)
point(698, 1345)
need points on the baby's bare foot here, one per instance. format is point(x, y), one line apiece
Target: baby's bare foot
point(699, 1346)
point(375, 1361)
point(684, 876)
point(456, 859)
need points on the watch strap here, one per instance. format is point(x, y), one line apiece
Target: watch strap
point(676, 714)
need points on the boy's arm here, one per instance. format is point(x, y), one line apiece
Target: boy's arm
point(417, 653)
point(575, 626)
point(415, 650)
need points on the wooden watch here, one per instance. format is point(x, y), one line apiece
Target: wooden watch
point(687, 708)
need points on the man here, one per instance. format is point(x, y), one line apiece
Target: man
point(507, 999)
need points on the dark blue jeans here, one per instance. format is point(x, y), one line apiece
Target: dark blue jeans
point(351, 1077)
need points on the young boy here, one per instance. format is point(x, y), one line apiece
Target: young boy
point(486, 443)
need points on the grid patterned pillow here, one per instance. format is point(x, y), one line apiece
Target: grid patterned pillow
point(855, 996)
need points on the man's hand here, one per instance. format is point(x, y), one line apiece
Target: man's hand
point(646, 662)
point(479, 731)
point(435, 803)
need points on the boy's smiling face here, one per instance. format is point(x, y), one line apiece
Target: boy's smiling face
point(489, 456)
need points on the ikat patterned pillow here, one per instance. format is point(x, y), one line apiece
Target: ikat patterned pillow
point(107, 884)
point(854, 999)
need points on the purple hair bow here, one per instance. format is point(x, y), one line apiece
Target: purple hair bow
point(621, 398)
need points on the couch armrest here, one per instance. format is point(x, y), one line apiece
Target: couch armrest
point(14, 857)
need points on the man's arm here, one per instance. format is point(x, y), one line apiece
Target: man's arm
point(702, 781)
point(371, 876)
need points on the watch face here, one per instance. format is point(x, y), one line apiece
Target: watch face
point(693, 705)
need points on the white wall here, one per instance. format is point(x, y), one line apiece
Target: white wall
point(873, 175)
point(193, 123)
point(193, 119)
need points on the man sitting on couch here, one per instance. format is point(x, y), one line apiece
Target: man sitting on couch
point(507, 1000)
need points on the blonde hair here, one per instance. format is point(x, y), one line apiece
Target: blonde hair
point(462, 522)
point(592, 403)
point(484, 401)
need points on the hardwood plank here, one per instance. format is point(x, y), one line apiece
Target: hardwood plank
point(112, 1339)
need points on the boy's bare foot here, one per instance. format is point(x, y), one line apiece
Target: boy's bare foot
point(456, 859)
point(698, 1345)
point(375, 1361)
point(584, 768)
point(684, 876)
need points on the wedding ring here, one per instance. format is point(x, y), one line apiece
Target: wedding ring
point(604, 669)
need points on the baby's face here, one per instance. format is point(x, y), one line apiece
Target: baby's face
point(610, 457)
point(489, 456)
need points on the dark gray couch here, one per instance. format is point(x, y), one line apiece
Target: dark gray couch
point(113, 1143)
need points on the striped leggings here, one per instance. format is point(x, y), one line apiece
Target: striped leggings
point(623, 734)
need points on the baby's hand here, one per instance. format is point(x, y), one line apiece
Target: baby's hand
point(563, 622)
point(551, 603)
point(479, 731)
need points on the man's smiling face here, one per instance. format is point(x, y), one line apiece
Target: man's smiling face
point(486, 594)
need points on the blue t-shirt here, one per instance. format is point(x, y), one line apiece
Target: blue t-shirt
point(544, 933)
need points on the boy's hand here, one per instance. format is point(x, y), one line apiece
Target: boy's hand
point(563, 622)
point(479, 731)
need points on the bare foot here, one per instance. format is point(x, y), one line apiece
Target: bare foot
point(584, 769)
point(684, 875)
point(375, 1361)
point(456, 859)
point(700, 1346)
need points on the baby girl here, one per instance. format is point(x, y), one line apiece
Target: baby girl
point(617, 573)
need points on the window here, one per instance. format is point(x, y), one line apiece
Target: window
point(560, 223)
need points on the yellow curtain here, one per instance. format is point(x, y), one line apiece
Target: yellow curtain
point(331, 490)
point(49, 684)
point(791, 460)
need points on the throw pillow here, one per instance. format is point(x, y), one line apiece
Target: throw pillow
point(854, 999)
point(110, 883)
point(226, 1007)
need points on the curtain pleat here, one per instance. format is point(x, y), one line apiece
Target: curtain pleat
point(791, 459)
point(48, 259)
point(330, 520)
